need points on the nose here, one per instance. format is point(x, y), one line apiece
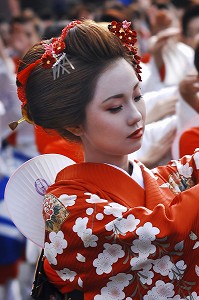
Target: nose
point(134, 115)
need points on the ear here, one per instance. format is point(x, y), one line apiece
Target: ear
point(75, 130)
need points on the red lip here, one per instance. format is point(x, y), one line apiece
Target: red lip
point(136, 134)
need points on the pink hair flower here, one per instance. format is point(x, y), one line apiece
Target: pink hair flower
point(48, 47)
point(126, 24)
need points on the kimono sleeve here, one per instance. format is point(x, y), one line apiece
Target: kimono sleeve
point(91, 237)
point(180, 174)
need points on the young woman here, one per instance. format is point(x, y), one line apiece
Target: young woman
point(114, 229)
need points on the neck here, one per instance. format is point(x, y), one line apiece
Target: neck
point(121, 162)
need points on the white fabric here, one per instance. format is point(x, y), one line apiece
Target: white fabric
point(137, 174)
point(185, 113)
point(153, 134)
point(187, 118)
point(152, 98)
point(179, 60)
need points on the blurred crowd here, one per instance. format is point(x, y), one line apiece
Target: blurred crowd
point(168, 43)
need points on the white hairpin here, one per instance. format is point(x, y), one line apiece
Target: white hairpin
point(60, 66)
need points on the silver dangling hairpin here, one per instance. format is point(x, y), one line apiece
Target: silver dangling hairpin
point(60, 66)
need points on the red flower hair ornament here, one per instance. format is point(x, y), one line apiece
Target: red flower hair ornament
point(56, 59)
point(128, 38)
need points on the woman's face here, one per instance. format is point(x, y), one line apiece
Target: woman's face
point(115, 117)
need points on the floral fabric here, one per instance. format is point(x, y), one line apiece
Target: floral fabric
point(112, 239)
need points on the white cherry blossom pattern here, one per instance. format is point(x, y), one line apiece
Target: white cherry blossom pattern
point(196, 245)
point(84, 233)
point(50, 253)
point(161, 291)
point(88, 238)
point(182, 178)
point(114, 209)
point(107, 258)
point(80, 282)
point(193, 296)
point(66, 274)
point(80, 225)
point(147, 232)
point(94, 199)
point(67, 200)
point(146, 276)
point(163, 265)
point(197, 270)
point(178, 270)
point(177, 297)
point(80, 258)
point(141, 263)
point(89, 211)
point(122, 279)
point(143, 247)
point(112, 291)
point(114, 250)
point(103, 264)
point(196, 158)
point(114, 288)
point(58, 241)
point(99, 216)
point(122, 225)
point(185, 170)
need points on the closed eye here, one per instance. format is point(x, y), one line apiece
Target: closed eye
point(136, 99)
point(115, 109)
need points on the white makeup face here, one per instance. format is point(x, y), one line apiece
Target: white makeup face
point(115, 117)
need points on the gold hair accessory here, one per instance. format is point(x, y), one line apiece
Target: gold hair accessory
point(13, 125)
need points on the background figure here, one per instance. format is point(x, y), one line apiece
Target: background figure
point(190, 26)
point(166, 97)
point(186, 140)
point(12, 242)
point(15, 149)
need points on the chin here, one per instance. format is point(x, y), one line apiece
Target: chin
point(136, 148)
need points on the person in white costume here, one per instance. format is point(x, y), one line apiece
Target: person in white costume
point(168, 52)
point(11, 157)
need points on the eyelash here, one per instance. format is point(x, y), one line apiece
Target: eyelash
point(118, 108)
point(136, 99)
point(115, 109)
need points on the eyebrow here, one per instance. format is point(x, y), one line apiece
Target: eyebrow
point(120, 95)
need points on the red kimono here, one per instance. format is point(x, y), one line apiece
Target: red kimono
point(189, 141)
point(111, 238)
